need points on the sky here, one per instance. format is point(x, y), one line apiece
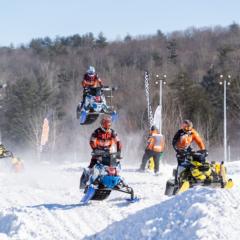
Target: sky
point(23, 20)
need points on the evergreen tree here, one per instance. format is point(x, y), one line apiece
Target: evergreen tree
point(27, 103)
point(101, 41)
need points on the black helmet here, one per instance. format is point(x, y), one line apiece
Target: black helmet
point(154, 128)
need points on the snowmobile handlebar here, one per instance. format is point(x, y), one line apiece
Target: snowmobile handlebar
point(188, 156)
point(105, 153)
point(108, 88)
point(192, 153)
point(103, 88)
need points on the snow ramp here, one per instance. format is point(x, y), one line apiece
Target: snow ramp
point(200, 213)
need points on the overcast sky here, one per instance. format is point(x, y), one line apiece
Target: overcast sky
point(22, 20)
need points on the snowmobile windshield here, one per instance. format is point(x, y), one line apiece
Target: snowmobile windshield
point(109, 161)
point(97, 91)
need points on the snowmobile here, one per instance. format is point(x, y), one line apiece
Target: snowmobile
point(103, 178)
point(194, 170)
point(16, 163)
point(94, 105)
point(5, 154)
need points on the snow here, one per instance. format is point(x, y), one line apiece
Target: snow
point(43, 202)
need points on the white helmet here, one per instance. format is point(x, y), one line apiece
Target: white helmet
point(91, 71)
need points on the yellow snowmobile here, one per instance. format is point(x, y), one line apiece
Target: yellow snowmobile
point(5, 153)
point(196, 171)
point(16, 163)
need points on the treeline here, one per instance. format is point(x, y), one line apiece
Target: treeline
point(44, 79)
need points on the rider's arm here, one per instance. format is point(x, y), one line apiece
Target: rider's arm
point(117, 141)
point(198, 140)
point(176, 139)
point(99, 81)
point(93, 140)
point(86, 83)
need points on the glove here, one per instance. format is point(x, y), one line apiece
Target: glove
point(204, 152)
point(182, 153)
point(86, 90)
point(96, 152)
point(106, 150)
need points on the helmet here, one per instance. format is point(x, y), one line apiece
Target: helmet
point(106, 123)
point(91, 71)
point(154, 128)
point(187, 125)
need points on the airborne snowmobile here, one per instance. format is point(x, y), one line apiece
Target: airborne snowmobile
point(95, 104)
point(196, 171)
point(100, 181)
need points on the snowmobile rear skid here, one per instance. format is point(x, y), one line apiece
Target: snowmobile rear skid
point(100, 194)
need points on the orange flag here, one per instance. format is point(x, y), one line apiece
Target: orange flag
point(45, 132)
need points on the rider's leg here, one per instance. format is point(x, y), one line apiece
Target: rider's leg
point(84, 178)
point(92, 162)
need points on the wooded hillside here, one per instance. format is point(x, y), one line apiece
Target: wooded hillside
point(44, 79)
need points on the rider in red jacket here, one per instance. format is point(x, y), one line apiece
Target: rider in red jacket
point(104, 138)
point(90, 80)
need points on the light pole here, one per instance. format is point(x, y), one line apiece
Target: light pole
point(160, 80)
point(225, 81)
point(2, 86)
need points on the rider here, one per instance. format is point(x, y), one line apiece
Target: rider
point(183, 139)
point(104, 138)
point(90, 79)
point(155, 148)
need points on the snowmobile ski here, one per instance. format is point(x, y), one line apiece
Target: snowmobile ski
point(133, 200)
point(83, 116)
point(114, 116)
point(185, 186)
point(88, 195)
point(229, 184)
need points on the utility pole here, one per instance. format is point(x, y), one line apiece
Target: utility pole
point(160, 80)
point(225, 81)
point(2, 86)
point(147, 93)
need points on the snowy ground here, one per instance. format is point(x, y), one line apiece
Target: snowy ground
point(43, 203)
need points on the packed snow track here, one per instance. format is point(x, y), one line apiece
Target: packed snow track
point(44, 203)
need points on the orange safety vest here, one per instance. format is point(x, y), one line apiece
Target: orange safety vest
point(156, 142)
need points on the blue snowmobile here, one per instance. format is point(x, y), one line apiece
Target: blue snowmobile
point(95, 104)
point(103, 178)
